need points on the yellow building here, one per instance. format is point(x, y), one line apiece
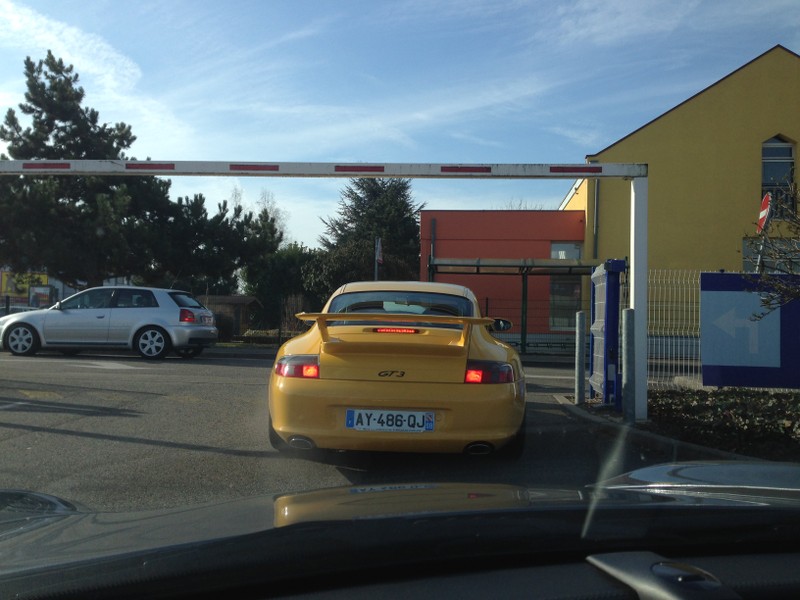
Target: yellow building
point(711, 159)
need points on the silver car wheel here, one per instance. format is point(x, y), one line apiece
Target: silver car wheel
point(22, 340)
point(152, 342)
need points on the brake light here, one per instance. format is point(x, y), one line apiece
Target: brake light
point(473, 376)
point(187, 316)
point(303, 366)
point(480, 371)
point(395, 330)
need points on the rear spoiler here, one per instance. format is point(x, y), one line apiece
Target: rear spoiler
point(322, 319)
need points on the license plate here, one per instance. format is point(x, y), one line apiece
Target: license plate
point(207, 320)
point(389, 420)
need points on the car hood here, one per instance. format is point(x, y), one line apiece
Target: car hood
point(759, 483)
point(40, 534)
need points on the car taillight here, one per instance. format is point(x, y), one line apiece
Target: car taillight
point(395, 330)
point(304, 366)
point(187, 316)
point(481, 371)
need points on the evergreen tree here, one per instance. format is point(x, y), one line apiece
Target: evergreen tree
point(76, 227)
point(85, 229)
point(276, 279)
point(368, 209)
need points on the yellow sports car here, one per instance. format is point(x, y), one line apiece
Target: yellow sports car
point(401, 367)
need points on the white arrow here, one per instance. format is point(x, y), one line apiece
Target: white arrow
point(730, 323)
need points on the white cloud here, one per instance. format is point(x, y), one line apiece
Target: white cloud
point(474, 139)
point(613, 22)
point(109, 77)
point(584, 137)
point(234, 102)
point(324, 130)
point(23, 28)
point(309, 31)
point(8, 98)
point(583, 23)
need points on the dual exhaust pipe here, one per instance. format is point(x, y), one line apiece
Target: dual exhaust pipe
point(478, 448)
point(299, 442)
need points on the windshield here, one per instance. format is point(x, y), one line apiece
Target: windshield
point(420, 269)
point(402, 302)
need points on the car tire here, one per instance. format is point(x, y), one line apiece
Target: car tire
point(21, 340)
point(189, 352)
point(152, 343)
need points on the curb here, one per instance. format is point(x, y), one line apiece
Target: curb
point(633, 431)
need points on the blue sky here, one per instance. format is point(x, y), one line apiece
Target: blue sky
point(462, 81)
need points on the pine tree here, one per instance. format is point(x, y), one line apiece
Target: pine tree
point(85, 229)
point(369, 209)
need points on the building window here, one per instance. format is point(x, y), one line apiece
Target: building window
point(565, 290)
point(565, 301)
point(777, 174)
point(565, 250)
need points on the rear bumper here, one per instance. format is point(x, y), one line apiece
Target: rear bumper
point(194, 337)
point(464, 413)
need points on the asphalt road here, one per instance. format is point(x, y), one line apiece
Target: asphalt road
point(119, 433)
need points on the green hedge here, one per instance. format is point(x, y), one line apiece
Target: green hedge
point(753, 423)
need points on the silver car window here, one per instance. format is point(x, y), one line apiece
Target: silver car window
point(185, 300)
point(135, 299)
point(402, 302)
point(94, 298)
point(388, 301)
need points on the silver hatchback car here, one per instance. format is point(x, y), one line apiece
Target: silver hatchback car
point(152, 321)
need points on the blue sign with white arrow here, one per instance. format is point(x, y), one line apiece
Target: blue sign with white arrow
point(738, 349)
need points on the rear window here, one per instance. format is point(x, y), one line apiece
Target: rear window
point(134, 298)
point(386, 301)
point(185, 300)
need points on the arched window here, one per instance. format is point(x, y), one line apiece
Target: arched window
point(777, 173)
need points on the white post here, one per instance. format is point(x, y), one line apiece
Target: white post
point(638, 292)
point(628, 366)
point(580, 361)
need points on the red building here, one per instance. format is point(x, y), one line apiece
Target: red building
point(525, 266)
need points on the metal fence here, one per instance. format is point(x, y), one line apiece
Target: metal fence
point(673, 328)
point(674, 331)
point(673, 334)
point(549, 323)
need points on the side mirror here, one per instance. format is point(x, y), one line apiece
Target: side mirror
point(57, 305)
point(501, 325)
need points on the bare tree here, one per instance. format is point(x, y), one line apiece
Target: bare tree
point(775, 253)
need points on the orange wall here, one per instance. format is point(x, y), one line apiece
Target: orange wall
point(514, 234)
